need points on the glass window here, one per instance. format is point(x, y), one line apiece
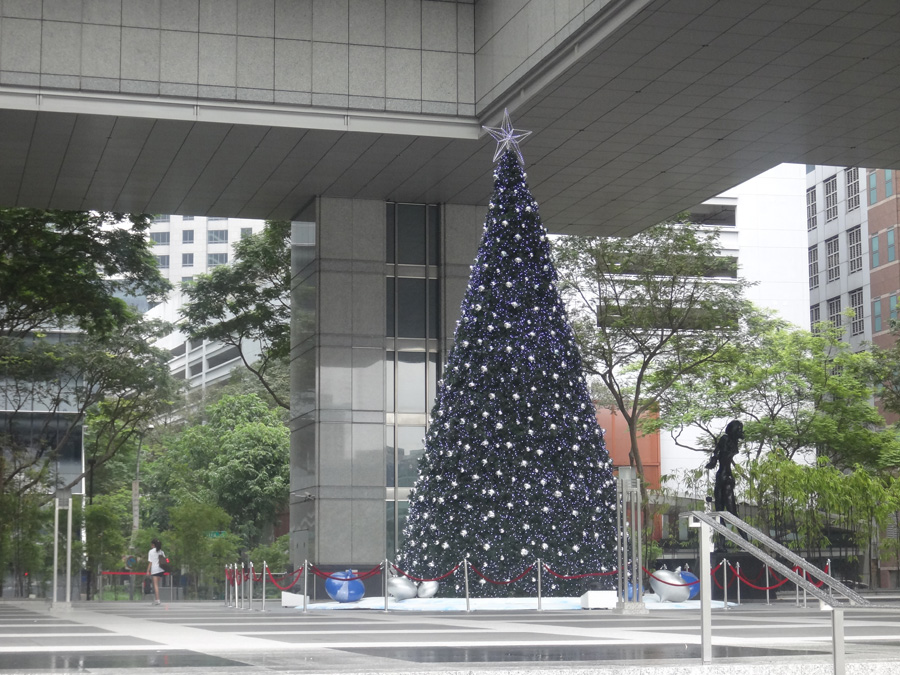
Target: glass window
point(876, 315)
point(159, 237)
point(187, 259)
point(389, 382)
point(410, 308)
point(873, 191)
point(813, 267)
point(832, 259)
point(162, 218)
point(811, 208)
point(410, 447)
point(187, 217)
point(873, 246)
point(434, 242)
point(217, 236)
point(815, 316)
point(187, 236)
point(858, 325)
point(162, 262)
point(187, 280)
point(434, 309)
point(891, 250)
point(411, 234)
point(214, 259)
point(410, 382)
point(888, 182)
point(854, 246)
point(389, 457)
point(892, 303)
point(390, 226)
point(390, 301)
point(834, 311)
point(852, 176)
point(246, 232)
point(831, 205)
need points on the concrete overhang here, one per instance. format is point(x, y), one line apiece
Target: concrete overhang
point(650, 108)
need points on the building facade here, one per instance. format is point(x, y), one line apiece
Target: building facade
point(840, 244)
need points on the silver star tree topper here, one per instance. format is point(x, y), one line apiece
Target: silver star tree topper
point(507, 137)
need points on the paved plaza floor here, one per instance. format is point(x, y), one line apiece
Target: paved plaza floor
point(200, 638)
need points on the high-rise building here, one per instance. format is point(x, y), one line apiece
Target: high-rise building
point(883, 210)
point(840, 242)
point(186, 246)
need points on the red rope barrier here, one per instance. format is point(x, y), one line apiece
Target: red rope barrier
point(577, 576)
point(295, 575)
point(409, 576)
point(364, 575)
point(501, 583)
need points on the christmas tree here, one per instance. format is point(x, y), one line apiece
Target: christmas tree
point(515, 468)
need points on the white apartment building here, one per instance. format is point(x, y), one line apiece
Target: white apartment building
point(186, 246)
point(838, 250)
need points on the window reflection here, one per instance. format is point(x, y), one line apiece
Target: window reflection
point(411, 382)
point(411, 305)
point(389, 463)
point(410, 448)
point(410, 234)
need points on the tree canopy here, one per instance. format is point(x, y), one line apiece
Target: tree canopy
point(649, 310)
point(71, 268)
point(796, 391)
point(248, 303)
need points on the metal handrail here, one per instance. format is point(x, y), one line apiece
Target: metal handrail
point(712, 519)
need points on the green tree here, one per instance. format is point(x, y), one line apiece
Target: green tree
point(70, 268)
point(193, 550)
point(649, 310)
point(236, 456)
point(248, 303)
point(797, 392)
point(117, 381)
point(106, 541)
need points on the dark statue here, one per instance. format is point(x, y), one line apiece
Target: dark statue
point(724, 454)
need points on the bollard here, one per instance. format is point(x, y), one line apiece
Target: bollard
point(227, 587)
point(264, 586)
point(385, 580)
point(540, 574)
point(466, 574)
point(725, 582)
point(250, 584)
point(767, 585)
point(738, 566)
point(305, 581)
point(243, 589)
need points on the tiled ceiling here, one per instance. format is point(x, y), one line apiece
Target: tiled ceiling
point(685, 100)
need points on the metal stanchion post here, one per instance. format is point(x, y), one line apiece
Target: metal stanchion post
point(738, 582)
point(725, 582)
point(466, 574)
point(243, 589)
point(235, 598)
point(250, 584)
point(837, 640)
point(540, 574)
point(828, 571)
point(227, 587)
point(767, 585)
point(305, 587)
point(265, 567)
point(386, 575)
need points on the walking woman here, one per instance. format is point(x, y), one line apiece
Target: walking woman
point(154, 569)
